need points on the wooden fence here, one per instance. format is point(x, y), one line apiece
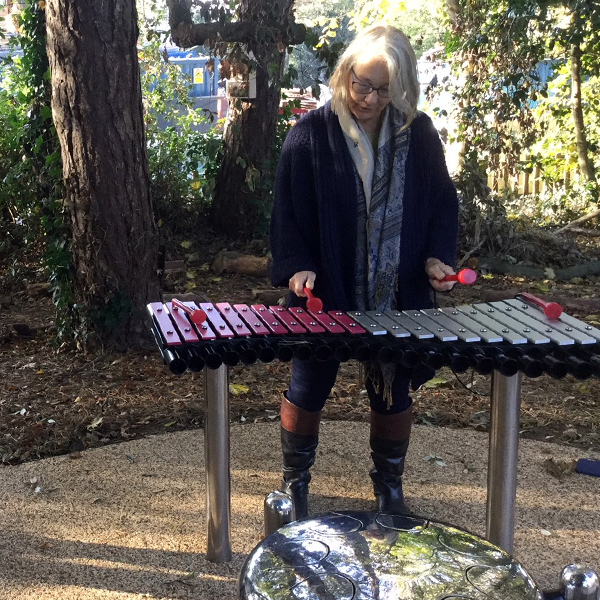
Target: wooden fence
point(525, 183)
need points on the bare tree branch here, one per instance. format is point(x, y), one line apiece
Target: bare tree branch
point(583, 219)
point(179, 12)
point(186, 33)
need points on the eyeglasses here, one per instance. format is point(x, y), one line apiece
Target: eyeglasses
point(364, 90)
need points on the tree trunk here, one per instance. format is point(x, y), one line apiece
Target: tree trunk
point(241, 205)
point(97, 110)
point(586, 166)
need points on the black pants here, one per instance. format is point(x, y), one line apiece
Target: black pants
point(312, 381)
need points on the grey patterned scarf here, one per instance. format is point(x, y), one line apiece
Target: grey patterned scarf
point(380, 226)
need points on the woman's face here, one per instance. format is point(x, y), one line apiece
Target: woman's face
point(369, 74)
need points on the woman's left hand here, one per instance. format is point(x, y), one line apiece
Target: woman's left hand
point(436, 271)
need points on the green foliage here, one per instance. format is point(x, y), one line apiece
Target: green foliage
point(484, 227)
point(33, 215)
point(184, 146)
point(114, 312)
point(496, 51)
point(330, 27)
point(565, 196)
point(419, 20)
point(262, 180)
point(31, 194)
point(505, 110)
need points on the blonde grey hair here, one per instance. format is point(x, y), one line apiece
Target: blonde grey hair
point(393, 46)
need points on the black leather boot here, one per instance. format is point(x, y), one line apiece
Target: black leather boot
point(298, 457)
point(389, 441)
point(388, 458)
point(299, 441)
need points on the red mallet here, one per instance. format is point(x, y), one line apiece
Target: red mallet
point(464, 276)
point(196, 315)
point(552, 310)
point(313, 303)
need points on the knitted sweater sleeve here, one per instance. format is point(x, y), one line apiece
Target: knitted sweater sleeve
point(442, 229)
point(294, 231)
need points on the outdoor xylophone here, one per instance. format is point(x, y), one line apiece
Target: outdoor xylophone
point(507, 336)
point(505, 339)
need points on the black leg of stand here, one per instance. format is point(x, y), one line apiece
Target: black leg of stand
point(503, 458)
point(217, 461)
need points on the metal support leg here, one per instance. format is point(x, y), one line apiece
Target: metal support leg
point(503, 458)
point(216, 454)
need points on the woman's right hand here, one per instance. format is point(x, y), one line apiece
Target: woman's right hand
point(301, 280)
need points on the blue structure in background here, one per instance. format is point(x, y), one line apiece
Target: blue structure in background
point(203, 75)
point(205, 80)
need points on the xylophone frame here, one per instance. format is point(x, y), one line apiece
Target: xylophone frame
point(217, 446)
point(502, 461)
point(505, 407)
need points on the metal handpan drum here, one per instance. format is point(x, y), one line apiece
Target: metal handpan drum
point(377, 556)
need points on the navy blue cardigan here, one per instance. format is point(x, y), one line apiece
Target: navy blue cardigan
point(313, 225)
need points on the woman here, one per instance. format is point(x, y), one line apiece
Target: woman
point(366, 215)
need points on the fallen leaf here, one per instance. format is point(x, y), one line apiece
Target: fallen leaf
point(435, 382)
point(437, 459)
point(480, 419)
point(237, 388)
point(545, 532)
point(559, 467)
point(95, 423)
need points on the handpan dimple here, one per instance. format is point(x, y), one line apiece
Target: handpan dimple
point(304, 550)
point(471, 546)
point(499, 582)
point(324, 585)
point(336, 524)
point(400, 522)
